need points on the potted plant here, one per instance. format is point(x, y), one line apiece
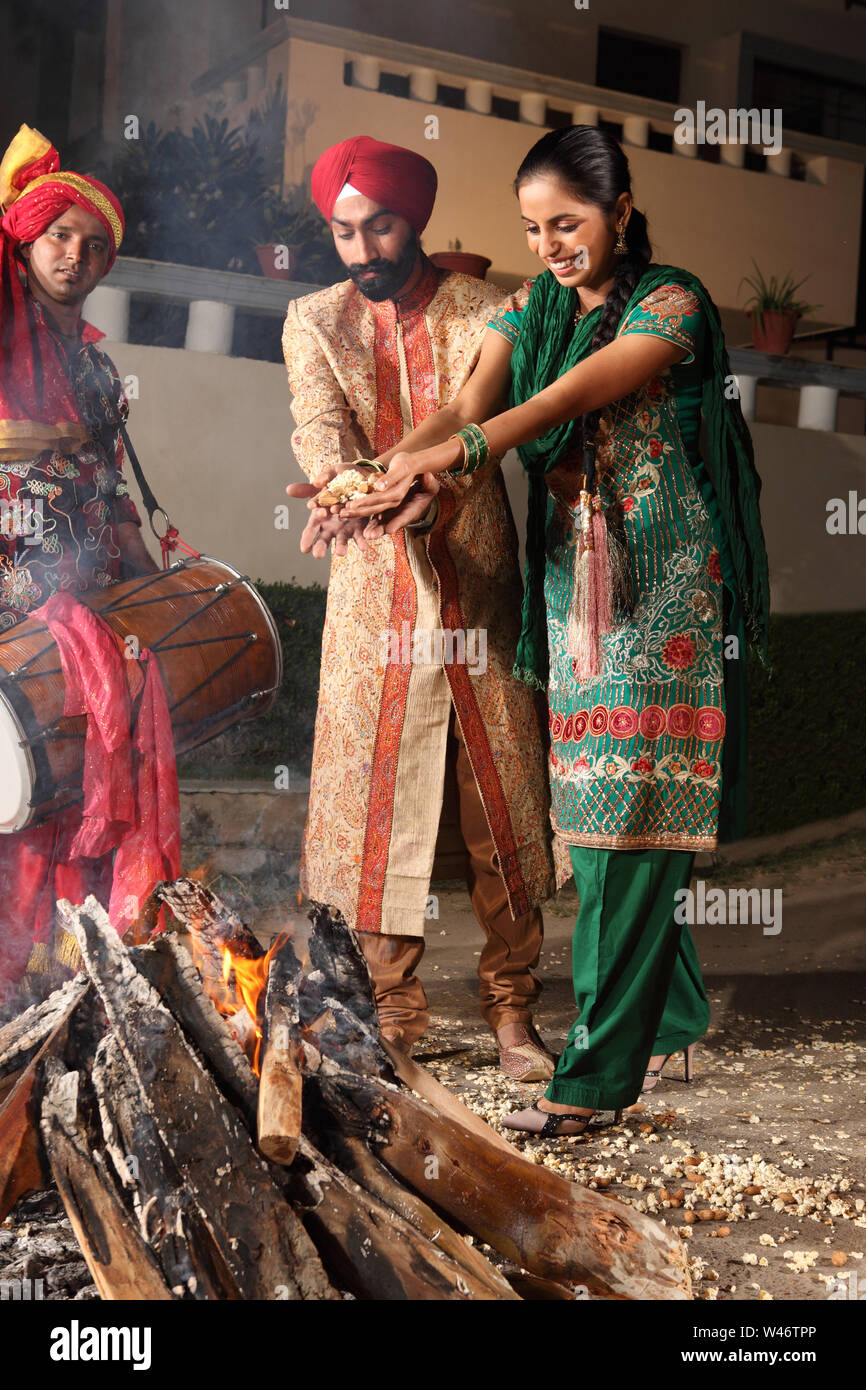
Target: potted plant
point(293, 235)
point(212, 198)
point(191, 198)
point(465, 261)
point(773, 311)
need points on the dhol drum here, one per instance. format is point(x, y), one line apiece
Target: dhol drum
point(218, 651)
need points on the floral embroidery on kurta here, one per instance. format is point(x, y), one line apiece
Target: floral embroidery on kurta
point(635, 758)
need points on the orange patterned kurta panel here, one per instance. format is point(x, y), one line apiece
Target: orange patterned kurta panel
point(362, 375)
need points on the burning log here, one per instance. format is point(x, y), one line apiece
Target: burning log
point(22, 1166)
point(425, 1084)
point(214, 926)
point(360, 1164)
point(169, 1219)
point(280, 1082)
point(533, 1289)
point(23, 1043)
point(137, 1096)
point(224, 950)
point(263, 1243)
point(339, 968)
point(553, 1228)
point(169, 967)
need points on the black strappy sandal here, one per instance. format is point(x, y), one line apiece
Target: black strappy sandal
point(655, 1073)
point(552, 1121)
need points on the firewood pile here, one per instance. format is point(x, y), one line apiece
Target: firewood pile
point(223, 1122)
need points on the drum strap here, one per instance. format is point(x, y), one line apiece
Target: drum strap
point(169, 539)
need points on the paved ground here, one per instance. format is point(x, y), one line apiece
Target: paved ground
point(760, 1163)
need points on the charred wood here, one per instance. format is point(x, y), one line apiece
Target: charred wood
point(119, 1260)
point(546, 1225)
point(370, 1250)
point(264, 1244)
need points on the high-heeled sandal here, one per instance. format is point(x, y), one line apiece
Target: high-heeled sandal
point(552, 1121)
point(688, 1069)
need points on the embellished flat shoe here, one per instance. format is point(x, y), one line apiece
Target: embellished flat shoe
point(526, 1060)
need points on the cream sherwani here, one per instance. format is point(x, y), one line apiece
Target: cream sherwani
point(362, 375)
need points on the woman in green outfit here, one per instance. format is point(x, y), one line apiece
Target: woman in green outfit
point(646, 568)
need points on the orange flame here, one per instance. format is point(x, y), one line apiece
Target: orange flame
point(239, 987)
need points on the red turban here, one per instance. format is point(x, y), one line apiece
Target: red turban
point(34, 193)
point(38, 409)
point(395, 178)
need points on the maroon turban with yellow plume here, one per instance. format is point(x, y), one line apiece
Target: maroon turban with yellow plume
point(395, 178)
point(38, 409)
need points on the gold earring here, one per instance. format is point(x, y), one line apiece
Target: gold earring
point(621, 248)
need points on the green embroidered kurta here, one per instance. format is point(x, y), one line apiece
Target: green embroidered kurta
point(638, 756)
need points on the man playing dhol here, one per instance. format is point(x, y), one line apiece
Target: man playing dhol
point(396, 735)
point(60, 448)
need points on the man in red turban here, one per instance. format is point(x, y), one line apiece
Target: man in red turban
point(389, 175)
point(61, 454)
point(408, 751)
point(362, 183)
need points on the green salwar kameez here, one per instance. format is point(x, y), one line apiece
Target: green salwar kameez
point(637, 981)
point(647, 759)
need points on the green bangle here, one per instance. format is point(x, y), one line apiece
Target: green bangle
point(476, 449)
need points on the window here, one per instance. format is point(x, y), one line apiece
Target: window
point(628, 63)
point(812, 101)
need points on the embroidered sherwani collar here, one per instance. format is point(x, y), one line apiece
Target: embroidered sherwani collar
point(388, 311)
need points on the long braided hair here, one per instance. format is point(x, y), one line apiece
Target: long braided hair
point(593, 167)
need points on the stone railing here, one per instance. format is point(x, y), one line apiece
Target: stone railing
point(213, 297)
point(819, 383)
point(376, 63)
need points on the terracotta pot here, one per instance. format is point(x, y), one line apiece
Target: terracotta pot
point(464, 261)
point(777, 331)
point(267, 255)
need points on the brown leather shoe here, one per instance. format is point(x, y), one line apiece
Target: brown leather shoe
point(527, 1060)
point(397, 1041)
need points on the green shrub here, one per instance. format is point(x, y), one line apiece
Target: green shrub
point(283, 736)
point(807, 737)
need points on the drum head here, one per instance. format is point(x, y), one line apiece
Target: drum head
point(266, 613)
point(17, 772)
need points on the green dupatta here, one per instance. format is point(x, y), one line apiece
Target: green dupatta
point(548, 346)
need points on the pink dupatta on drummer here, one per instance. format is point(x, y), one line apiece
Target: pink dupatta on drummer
point(131, 800)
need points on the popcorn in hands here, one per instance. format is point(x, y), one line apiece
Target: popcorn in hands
point(344, 487)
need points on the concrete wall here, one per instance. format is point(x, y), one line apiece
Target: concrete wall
point(213, 433)
point(166, 45)
point(713, 219)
